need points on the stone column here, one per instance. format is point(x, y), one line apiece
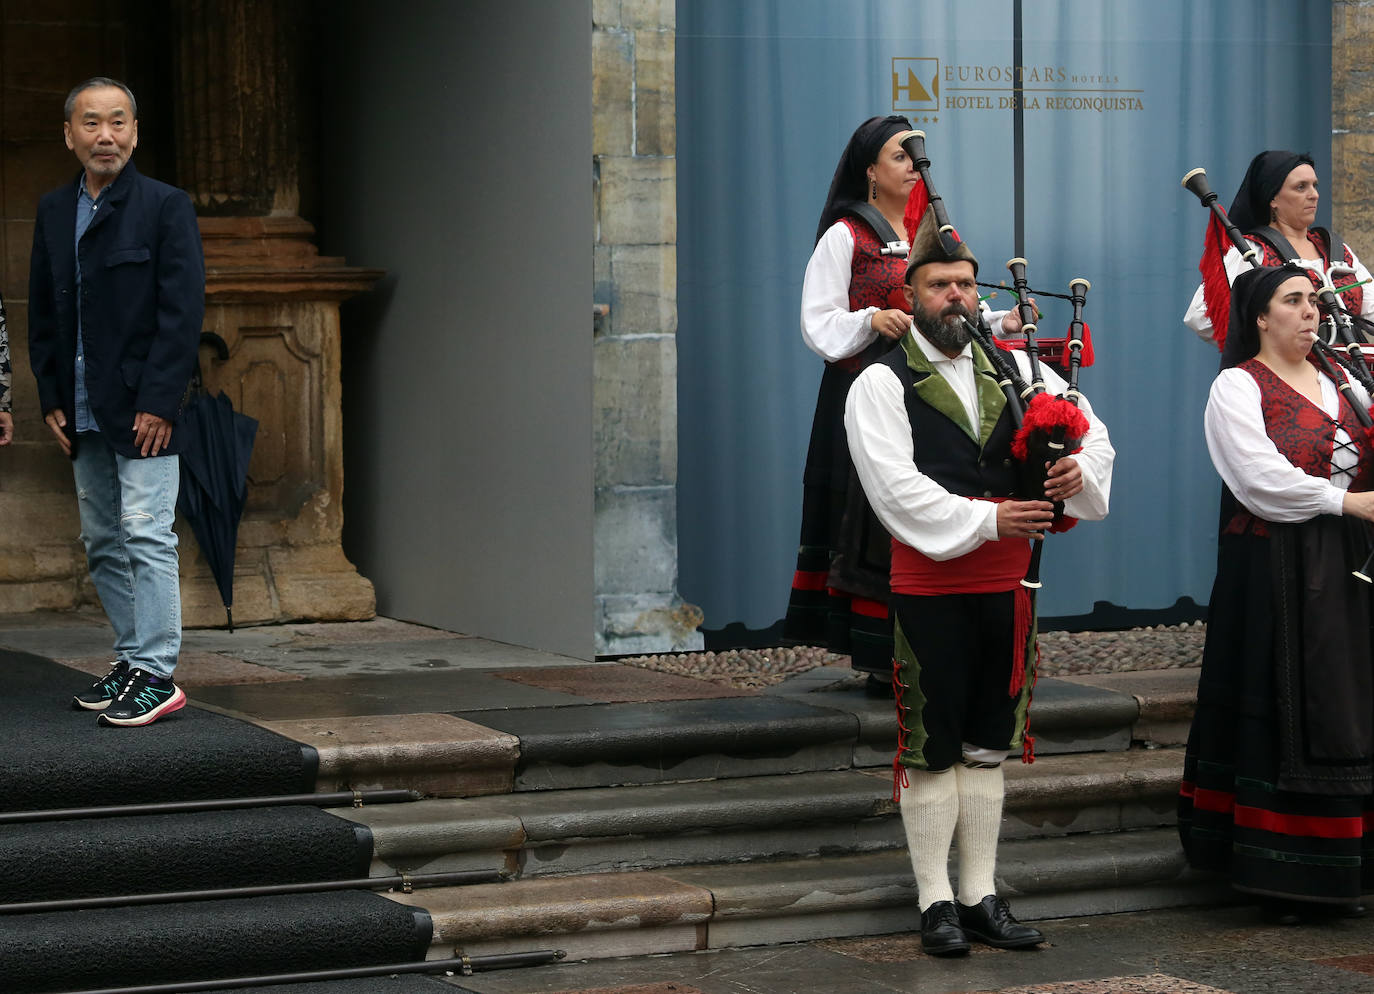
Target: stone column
point(1352, 124)
point(238, 104)
point(275, 302)
point(635, 394)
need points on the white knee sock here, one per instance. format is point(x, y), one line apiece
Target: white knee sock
point(980, 822)
point(930, 808)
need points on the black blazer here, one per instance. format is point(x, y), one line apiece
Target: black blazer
point(142, 304)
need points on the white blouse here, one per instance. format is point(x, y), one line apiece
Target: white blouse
point(829, 328)
point(1262, 479)
point(915, 509)
point(1196, 315)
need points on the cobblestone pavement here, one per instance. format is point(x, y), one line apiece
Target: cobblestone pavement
point(1163, 647)
point(1226, 950)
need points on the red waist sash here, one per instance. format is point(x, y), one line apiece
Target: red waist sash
point(992, 568)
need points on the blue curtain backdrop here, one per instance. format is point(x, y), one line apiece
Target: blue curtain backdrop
point(1120, 100)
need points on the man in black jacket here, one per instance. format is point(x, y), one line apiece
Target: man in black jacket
point(116, 302)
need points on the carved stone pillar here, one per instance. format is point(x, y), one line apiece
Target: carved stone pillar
point(275, 302)
point(238, 104)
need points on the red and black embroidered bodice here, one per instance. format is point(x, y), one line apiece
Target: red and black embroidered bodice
point(1353, 299)
point(1305, 434)
point(875, 279)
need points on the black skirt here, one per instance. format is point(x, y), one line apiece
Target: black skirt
point(1276, 786)
point(839, 596)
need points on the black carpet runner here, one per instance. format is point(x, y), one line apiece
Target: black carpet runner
point(50, 861)
point(163, 944)
point(58, 757)
point(54, 756)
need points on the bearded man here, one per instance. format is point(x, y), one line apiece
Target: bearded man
point(931, 438)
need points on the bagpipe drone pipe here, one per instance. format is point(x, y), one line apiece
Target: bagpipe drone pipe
point(1047, 426)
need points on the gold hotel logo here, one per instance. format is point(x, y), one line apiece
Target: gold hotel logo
point(916, 85)
point(916, 89)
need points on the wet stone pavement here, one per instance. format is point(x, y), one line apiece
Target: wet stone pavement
point(390, 667)
point(1226, 950)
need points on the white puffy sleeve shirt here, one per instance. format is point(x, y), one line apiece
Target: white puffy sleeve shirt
point(1196, 315)
point(829, 328)
point(1262, 479)
point(915, 509)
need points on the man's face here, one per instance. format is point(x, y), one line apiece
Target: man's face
point(102, 132)
point(941, 294)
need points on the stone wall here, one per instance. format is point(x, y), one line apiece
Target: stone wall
point(635, 396)
point(1351, 185)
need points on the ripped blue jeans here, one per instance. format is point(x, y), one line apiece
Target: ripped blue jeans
point(127, 510)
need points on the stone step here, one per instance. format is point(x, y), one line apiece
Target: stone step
point(650, 827)
point(1065, 718)
point(1166, 698)
point(721, 905)
point(802, 727)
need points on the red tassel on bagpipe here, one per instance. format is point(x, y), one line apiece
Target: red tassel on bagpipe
point(916, 203)
point(1054, 349)
point(1216, 288)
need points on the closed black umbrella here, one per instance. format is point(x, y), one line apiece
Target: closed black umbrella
point(214, 478)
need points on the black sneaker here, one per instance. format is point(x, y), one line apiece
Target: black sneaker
point(143, 699)
point(97, 696)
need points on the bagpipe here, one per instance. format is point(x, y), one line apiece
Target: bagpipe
point(1051, 426)
point(1047, 426)
point(1349, 356)
point(914, 144)
point(1323, 353)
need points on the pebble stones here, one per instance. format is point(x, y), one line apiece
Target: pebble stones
point(1156, 647)
point(744, 668)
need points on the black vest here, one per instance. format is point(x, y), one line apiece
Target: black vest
point(944, 450)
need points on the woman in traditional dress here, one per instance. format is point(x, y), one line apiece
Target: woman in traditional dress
point(853, 312)
point(1279, 771)
point(1275, 206)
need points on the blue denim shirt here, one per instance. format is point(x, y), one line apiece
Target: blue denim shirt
point(85, 213)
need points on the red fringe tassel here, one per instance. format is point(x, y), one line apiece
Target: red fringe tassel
point(1020, 635)
point(1021, 649)
point(916, 203)
point(1216, 288)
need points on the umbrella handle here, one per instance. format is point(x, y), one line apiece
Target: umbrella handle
point(217, 343)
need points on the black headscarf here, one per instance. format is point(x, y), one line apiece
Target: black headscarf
point(851, 175)
point(1263, 180)
point(1250, 296)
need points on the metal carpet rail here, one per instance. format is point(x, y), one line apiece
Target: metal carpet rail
point(354, 798)
point(462, 965)
point(404, 882)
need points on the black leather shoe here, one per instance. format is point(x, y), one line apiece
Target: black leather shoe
point(940, 931)
point(991, 921)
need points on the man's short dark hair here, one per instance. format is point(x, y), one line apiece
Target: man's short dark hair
point(93, 82)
